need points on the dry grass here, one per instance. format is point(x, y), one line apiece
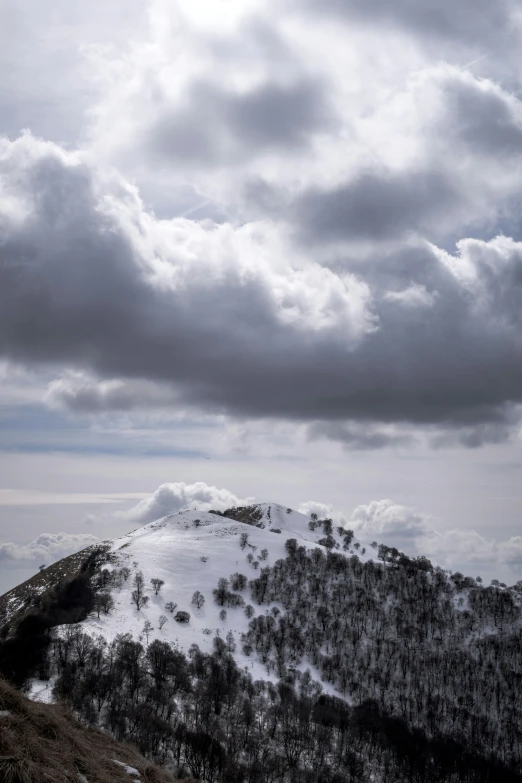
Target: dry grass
point(42, 743)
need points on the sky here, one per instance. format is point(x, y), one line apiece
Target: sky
point(262, 251)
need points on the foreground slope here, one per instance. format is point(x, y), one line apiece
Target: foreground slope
point(42, 743)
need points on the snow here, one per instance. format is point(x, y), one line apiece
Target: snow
point(127, 769)
point(4, 713)
point(41, 690)
point(172, 549)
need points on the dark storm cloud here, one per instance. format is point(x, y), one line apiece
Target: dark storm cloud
point(214, 126)
point(358, 437)
point(375, 206)
point(439, 344)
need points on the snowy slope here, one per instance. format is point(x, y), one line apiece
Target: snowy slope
point(172, 548)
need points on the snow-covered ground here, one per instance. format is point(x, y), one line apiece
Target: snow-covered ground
point(41, 690)
point(191, 551)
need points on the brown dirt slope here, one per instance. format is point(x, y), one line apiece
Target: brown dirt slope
point(43, 743)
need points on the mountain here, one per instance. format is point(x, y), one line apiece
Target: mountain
point(191, 551)
point(258, 644)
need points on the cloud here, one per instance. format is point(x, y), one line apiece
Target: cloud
point(375, 206)
point(213, 126)
point(47, 548)
point(409, 530)
point(355, 273)
point(231, 320)
point(384, 519)
point(44, 83)
point(360, 437)
point(470, 22)
point(78, 392)
point(323, 511)
point(173, 497)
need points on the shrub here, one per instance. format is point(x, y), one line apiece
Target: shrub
point(328, 542)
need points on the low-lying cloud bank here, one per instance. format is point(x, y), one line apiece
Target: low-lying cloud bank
point(412, 532)
point(44, 550)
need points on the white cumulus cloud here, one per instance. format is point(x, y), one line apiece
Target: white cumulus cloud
point(178, 496)
point(323, 511)
point(412, 532)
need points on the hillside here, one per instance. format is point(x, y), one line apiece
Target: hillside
point(42, 743)
point(191, 551)
point(25, 595)
point(258, 644)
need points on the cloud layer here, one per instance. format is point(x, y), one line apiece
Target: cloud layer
point(176, 312)
point(238, 224)
point(46, 549)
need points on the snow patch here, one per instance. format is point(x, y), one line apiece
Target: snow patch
point(126, 768)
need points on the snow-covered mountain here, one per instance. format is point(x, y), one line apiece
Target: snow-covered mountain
point(191, 551)
point(267, 633)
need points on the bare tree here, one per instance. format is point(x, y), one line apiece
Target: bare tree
point(238, 581)
point(107, 602)
point(138, 596)
point(162, 620)
point(157, 584)
point(139, 600)
point(231, 643)
point(170, 607)
point(198, 599)
point(147, 629)
point(103, 601)
point(221, 592)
